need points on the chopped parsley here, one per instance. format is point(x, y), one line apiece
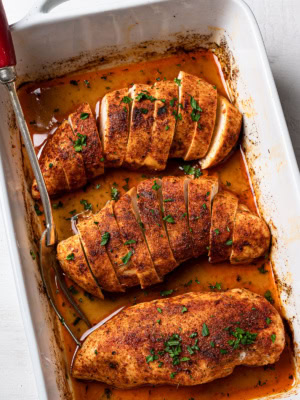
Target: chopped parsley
point(229, 242)
point(167, 127)
point(50, 165)
point(126, 100)
point(268, 320)
point(33, 256)
point(131, 241)
point(84, 115)
point(217, 286)
point(169, 219)
point(177, 115)
point(127, 257)
point(86, 205)
point(184, 309)
point(70, 256)
point(262, 269)
point(114, 193)
point(172, 102)
point(268, 296)
point(159, 310)
point(164, 293)
point(80, 142)
point(37, 209)
point(144, 110)
point(241, 337)
point(217, 231)
point(145, 96)
point(177, 81)
point(273, 337)
point(57, 205)
point(223, 351)
point(205, 331)
point(105, 238)
point(168, 200)
point(156, 186)
point(196, 110)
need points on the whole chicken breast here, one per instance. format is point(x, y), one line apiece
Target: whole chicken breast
point(200, 337)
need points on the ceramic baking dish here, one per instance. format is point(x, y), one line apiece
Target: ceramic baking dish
point(51, 42)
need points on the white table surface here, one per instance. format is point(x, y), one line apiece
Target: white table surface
point(279, 21)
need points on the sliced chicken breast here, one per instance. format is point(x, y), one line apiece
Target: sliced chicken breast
point(201, 192)
point(133, 238)
point(176, 217)
point(149, 208)
point(224, 209)
point(72, 260)
point(114, 126)
point(84, 127)
point(72, 161)
point(251, 237)
point(186, 124)
point(226, 133)
point(166, 94)
point(116, 250)
point(141, 123)
point(207, 101)
point(216, 333)
point(52, 170)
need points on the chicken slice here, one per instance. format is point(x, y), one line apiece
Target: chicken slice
point(149, 207)
point(93, 241)
point(218, 332)
point(84, 127)
point(166, 94)
point(175, 217)
point(72, 161)
point(52, 170)
point(114, 126)
point(185, 126)
point(201, 192)
point(72, 260)
point(226, 133)
point(207, 101)
point(116, 250)
point(141, 123)
point(224, 209)
point(251, 236)
point(133, 237)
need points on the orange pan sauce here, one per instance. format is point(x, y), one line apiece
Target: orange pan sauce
point(45, 105)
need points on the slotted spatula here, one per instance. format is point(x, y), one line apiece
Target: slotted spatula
point(47, 256)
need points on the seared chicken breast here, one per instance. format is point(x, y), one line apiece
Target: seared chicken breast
point(72, 260)
point(224, 209)
point(141, 123)
point(200, 337)
point(166, 95)
point(226, 133)
point(133, 238)
point(114, 126)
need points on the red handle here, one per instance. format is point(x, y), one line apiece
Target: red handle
point(7, 52)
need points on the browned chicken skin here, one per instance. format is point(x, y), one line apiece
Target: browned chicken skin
point(200, 337)
point(149, 231)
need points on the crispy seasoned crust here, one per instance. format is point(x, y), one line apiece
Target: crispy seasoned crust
point(114, 126)
point(141, 123)
point(116, 250)
point(175, 217)
point(83, 123)
point(163, 126)
point(132, 235)
point(251, 237)
point(72, 161)
point(201, 192)
point(222, 222)
point(117, 352)
point(91, 235)
point(207, 100)
point(185, 126)
point(76, 267)
point(226, 133)
point(52, 170)
point(150, 213)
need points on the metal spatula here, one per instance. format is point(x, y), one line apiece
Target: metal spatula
point(48, 240)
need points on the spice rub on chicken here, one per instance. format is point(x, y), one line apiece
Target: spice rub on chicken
point(153, 228)
point(141, 127)
point(184, 340)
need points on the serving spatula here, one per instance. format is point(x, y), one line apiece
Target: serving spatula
point(47, 255)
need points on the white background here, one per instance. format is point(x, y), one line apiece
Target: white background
point(279, 21)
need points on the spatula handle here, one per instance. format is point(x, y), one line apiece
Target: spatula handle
point(7, 52)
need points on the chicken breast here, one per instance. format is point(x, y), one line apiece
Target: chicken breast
point(84, 127)
point(133, 238)
point(186, 124)
point(70, 154)
point(52, 170)
point(166, 94)
point(251, 236)
point(201, 192)
point(141, 123)
point(226, 133)
point(200, 337)
point(116, 250)
point(114, 126)
point(175, 217)
point(149, 208)
point(72, 260)
point(93, 239)
point(224, 209)
point(207, 101)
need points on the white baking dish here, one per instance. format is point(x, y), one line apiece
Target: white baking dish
point(44, 41)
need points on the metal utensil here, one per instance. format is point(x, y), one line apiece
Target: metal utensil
point(48, 239)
